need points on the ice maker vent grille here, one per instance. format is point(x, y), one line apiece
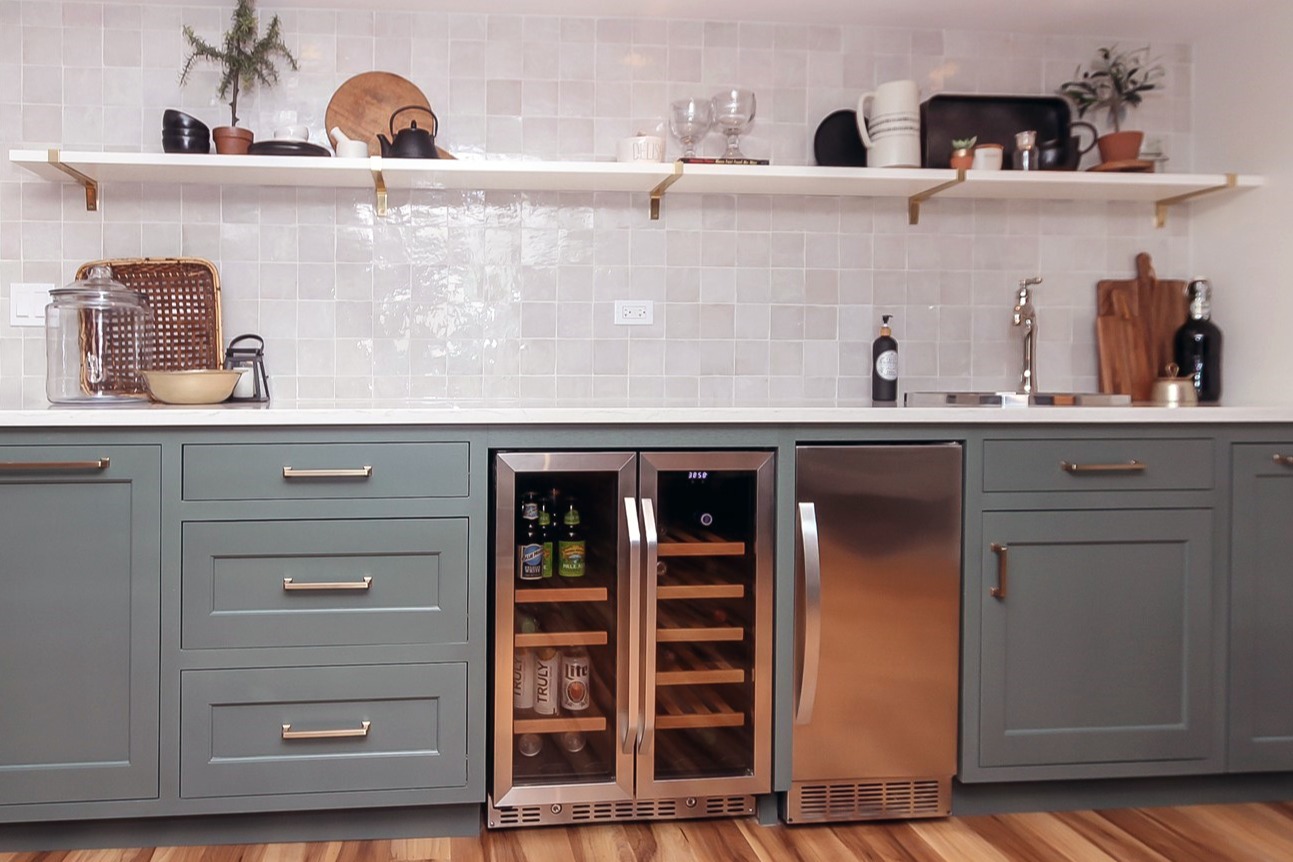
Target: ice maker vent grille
point(870, 800)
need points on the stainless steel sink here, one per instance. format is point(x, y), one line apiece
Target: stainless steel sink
point(1015, 399)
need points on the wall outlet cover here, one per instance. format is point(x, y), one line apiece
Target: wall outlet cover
point(634, 312)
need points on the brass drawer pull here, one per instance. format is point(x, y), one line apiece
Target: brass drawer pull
point(1003, 569)
point(289, 584)
point(1127, 467)
point(18, 466)
point(360, 731)
point(365, 472)
point(1286, 460)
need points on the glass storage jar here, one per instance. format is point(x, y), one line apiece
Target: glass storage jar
point(98, 341)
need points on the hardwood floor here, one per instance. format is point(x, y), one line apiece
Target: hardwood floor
point(1206, 833)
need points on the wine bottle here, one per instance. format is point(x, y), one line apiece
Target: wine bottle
point(1197, 344)
point(884, 366)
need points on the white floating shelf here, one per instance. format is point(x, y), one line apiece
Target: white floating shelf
point(91, 169)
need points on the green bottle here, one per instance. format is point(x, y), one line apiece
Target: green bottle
point(546, 532)
point(571, 552)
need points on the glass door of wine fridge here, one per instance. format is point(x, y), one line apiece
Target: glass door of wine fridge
point(632, 635)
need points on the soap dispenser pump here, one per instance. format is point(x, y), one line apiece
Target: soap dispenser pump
point(884, 366)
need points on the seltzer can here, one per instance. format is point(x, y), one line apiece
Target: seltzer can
point(575, 695)
point(523, 667)
point(547, 679)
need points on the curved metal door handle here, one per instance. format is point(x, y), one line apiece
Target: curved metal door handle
point(806, 696)
point(1003, 569)
point(646, 732)
point(632, 725)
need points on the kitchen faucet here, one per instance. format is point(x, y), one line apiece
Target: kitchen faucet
point(1026, 317)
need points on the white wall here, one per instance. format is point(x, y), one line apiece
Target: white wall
point(1243, 122)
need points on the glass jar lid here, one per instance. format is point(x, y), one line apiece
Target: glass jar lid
point(100, 288)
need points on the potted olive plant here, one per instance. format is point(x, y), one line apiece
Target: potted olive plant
point(1116, 81)
point(246, 58)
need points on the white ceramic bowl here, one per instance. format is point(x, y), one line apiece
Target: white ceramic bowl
point(196, 386)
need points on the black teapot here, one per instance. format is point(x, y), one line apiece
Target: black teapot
point(411, 143)
point(1065, 154)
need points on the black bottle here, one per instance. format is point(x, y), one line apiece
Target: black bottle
point(1197, 345)
point(884, 366)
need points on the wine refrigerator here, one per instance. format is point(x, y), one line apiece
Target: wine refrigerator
point(632, 635)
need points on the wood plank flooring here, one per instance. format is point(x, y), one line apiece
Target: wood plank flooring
point(1259, 832)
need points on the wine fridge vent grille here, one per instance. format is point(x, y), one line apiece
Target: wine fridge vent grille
point(719, 806)
point(870, 800)
point(529, 815)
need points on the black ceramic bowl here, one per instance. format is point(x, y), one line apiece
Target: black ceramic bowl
point(184, 142)
point(173, 120)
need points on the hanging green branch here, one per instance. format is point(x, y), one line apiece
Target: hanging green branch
point(247, 59)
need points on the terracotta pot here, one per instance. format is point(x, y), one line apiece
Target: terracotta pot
point(231, 140)
point(1120, 146)
point(961, 160)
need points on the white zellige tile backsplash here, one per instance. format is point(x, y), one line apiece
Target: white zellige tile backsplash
point(501, 296)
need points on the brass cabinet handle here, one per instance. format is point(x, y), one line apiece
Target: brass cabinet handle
point(1003, 569)
point(1125, 467)
point(20, 466)
point(1286, 460)
point(360, 731)
point(289, 584)
point(364, 472)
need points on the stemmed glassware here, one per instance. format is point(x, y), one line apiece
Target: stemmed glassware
point(733, 113)
point(689, 120)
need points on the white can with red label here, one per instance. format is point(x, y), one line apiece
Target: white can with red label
point(575, 695)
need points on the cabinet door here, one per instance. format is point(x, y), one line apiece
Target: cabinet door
point(79, 624)
point(1098, 652)
point(1261, 607)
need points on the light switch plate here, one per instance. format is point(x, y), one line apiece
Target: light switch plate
point(27, 301)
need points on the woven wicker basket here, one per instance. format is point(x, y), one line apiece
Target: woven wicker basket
point(184, 295)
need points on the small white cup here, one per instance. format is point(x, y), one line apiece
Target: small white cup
point(987, 158)
point(640, 148)
point(292, 133)
point(349, 149)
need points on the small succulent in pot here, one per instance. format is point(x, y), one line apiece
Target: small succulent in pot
point(963, 152)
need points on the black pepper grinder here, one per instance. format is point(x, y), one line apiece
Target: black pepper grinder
point(884, 366)
point(1197, 345)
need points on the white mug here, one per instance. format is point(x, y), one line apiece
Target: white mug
point(642, 148)
point(891, 129)
point(292, 133)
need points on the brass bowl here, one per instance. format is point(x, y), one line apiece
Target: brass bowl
point(195, 386)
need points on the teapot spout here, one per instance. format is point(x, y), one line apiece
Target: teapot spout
point(338, 135)
point(386, 146)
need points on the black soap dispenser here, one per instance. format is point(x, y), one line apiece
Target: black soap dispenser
point(884, 366)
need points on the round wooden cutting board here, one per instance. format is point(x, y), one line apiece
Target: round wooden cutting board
point(363, 105)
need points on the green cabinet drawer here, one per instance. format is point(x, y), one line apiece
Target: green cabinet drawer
point(1098, 465)
point(274, 731)
point(324, 471)
point(325, 582)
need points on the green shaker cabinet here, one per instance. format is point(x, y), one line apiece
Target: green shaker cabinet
point(79, 624)
point(1261, 608)
point(1095, 656)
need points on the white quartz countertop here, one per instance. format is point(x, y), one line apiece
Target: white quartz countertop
point(484, 414)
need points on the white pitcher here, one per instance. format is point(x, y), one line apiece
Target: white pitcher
point(891, 129)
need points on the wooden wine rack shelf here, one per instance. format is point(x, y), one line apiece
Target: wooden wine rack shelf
point(560, 724)
point(699, 635)
point(683, 709)
point(712, 676)
point(560, 639)
point(688, 722)
point(700, 549)
point(701, 591)
point(530, 596)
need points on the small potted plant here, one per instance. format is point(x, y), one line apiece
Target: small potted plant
point(1117, 80)
point(246, 58)
point(963, 153)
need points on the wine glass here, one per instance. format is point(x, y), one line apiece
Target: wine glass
point(689, 120)
point(733, 113)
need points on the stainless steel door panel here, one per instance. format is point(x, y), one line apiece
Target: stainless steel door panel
point(889, 525)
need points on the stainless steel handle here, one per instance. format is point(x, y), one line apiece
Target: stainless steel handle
point(1286, 460)
point(632, 725)
point(646, 732)
point(1125, 467)
point(61, 466)
point(362, 730)
point(364, 472)
point(367, 582)
point(806, 696)
point(1003, 569)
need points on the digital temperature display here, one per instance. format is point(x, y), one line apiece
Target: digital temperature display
point(698, 474)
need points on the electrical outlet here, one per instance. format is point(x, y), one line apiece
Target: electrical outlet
point(27, 303)
point(633, 312)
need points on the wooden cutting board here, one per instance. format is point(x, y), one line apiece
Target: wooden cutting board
point(363, 105)
point(1136, 320)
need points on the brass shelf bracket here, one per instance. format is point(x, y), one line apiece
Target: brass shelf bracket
point(914, 202)
point(91, 185)
point(379, 183)
point(657, 193)
point(1161, 207)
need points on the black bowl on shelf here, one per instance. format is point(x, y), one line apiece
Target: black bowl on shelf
point(186, 142)
point(177, 121)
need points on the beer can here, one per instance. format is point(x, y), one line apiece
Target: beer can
point(572, 741)
point(575, 696)
point(547, 679)
point(529, 744)
point(523, 679)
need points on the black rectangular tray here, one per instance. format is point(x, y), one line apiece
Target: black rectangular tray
point(993, 119)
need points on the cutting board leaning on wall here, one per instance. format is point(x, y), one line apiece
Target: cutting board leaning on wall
point(1135, 322)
